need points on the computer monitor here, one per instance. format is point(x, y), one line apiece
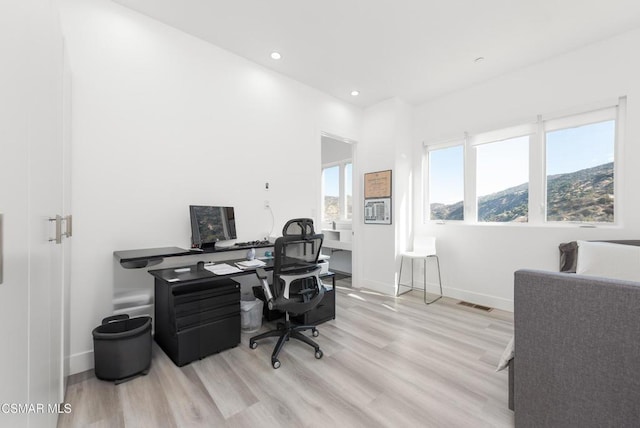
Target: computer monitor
point(211, 224)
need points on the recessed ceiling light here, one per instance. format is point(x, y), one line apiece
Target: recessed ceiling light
point(355, 93)
point(275, 55)
point(479, 59)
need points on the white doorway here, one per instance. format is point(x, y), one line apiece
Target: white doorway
point(337, 205)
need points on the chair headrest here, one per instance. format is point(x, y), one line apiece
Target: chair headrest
point(298, 227)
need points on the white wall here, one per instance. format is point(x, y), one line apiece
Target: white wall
point(478, 261)
point(334, 150)
point(386, 144)
point(162, 120)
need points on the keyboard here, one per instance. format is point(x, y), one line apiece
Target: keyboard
point(251, 243)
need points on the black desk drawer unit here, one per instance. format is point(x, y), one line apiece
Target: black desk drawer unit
point(196, 318)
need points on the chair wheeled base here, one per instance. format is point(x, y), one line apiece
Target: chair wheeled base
point(285, 331)
point(398, 293)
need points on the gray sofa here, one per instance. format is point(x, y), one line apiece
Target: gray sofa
point(577, 347)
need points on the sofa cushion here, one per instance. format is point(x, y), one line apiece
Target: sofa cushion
point(608, 260)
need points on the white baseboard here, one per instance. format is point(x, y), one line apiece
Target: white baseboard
point(80, 362)
point(473, 297)
point(454, 293)
point(380, 287)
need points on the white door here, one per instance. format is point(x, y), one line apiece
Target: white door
point(65, 302)
point(31, 155)
point(14, 290)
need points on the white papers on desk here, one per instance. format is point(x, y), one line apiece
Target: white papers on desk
point(222, 269)
point(250, 264)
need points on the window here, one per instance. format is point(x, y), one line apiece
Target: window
point(331, 193)
point(446, 183)
point(502, 180)
point(580, 173)
point(560, 170)
point(337, 192)
point(348, 191)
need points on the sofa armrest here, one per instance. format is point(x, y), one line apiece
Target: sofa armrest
point(578, 350)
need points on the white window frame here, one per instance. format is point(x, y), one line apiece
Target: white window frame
point(427, 149)
point(342, 193)
point(615, 113)
point(496, 136)
point(537, 165)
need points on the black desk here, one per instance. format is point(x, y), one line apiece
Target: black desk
point(197, 313)
point(134, 259)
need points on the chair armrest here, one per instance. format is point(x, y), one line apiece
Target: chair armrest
point(262, 276)
point(261, 273)
point(289, 278)
point(283, 301)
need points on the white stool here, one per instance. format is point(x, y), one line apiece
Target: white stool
point(423, 248)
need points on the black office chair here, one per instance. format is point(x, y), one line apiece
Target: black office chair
point(298, 226)
point(296, 287)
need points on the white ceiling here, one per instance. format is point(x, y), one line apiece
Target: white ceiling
point(412, 49)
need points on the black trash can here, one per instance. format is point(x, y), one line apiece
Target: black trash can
point(122, 348)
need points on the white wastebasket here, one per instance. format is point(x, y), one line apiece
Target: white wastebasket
point(250, 314)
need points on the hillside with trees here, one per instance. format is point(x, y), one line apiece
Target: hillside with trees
point(583, 196)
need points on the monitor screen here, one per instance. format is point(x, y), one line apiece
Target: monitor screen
point(211, 224)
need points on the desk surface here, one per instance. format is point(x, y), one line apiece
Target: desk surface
point(149, 253)
point(132, 259)
point(177, 274)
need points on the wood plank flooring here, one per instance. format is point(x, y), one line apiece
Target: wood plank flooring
point(388, 362)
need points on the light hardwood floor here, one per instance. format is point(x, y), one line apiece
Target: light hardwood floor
point(388, 362)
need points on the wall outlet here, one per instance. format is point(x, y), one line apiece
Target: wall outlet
point(267, 204)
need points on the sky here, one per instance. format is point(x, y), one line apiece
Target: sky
point(574, 149)
point(502, 165)
point(332, 180)
point(446, 172)
point(505, 164)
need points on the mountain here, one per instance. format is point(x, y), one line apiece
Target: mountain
point(507, 205)
point(585, 196)
point(332, 208)
point(447, 212)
